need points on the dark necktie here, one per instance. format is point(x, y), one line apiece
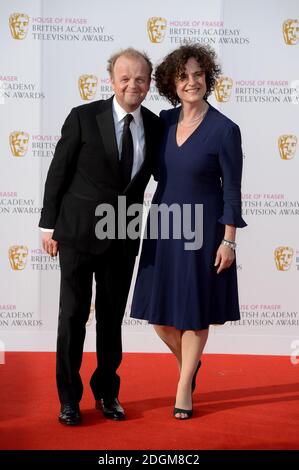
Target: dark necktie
point(127, 152)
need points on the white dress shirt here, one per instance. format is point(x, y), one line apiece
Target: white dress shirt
point(137, 131)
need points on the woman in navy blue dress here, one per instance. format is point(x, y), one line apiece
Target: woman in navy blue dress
point(182, 291)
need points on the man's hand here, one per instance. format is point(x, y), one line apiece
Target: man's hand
point(49, 245)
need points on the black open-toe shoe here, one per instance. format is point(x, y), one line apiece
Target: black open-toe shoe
point(181, 410)
point(193, 384)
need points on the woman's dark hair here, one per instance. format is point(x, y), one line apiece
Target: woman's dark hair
point(174, 65)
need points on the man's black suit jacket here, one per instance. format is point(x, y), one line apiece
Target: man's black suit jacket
point(85, 172)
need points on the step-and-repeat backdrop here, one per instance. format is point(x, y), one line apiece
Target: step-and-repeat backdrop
point(53, 57)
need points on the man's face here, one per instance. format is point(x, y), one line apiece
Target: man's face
point(130, 81)
point(19, 27)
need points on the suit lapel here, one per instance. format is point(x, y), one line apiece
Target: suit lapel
point(107, 130)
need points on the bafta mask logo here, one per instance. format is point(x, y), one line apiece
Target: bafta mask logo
point(223, 89)
point(287, 146)
point(290, 30)
point(91, 315)
point(87, 86)
point(283, 257)
point(18, 141)
point(156, 28)
point(18, 257)
point(18, 24)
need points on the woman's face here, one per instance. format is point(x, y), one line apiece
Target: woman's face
point(191, 84)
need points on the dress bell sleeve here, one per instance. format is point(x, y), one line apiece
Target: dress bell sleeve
point(231, 162)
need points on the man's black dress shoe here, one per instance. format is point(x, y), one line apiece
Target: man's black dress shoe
point(111, 408)
point(194, 377)
point(70, 414)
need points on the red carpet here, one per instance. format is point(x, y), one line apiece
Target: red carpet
point(241, 402)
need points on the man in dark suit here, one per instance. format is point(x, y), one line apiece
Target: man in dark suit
point(87, 170)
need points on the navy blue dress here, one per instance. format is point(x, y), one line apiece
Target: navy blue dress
point(179, 287)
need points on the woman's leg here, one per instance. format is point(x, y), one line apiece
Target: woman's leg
point(192, 346)
point(172, 338)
